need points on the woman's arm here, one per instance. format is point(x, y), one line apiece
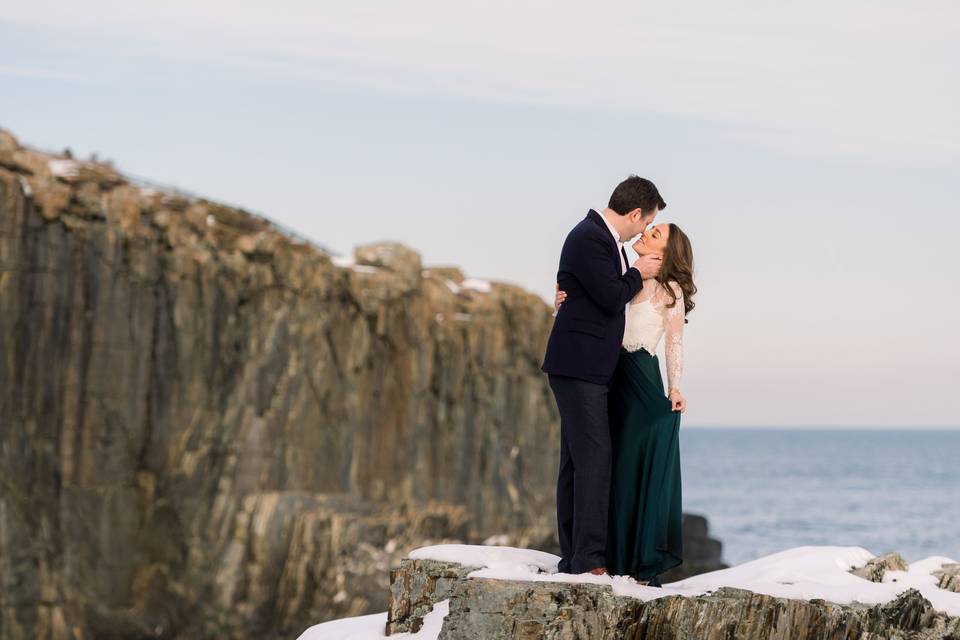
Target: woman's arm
point(673, 347)
point(561, 296)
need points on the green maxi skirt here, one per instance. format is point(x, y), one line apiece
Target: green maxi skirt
point(645, 531)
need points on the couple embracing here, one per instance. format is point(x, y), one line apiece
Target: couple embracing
point(618, 488)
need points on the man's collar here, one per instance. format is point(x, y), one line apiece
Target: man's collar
point(613, 230)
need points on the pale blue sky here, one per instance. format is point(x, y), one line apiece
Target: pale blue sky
point(812, 154)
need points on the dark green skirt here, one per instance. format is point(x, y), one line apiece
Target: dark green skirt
point(645, 533)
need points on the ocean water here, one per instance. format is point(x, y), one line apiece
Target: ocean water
point(765, 490)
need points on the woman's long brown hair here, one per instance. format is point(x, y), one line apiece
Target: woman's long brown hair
point(678, 266)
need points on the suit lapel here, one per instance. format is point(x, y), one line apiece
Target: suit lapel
point(597, 219)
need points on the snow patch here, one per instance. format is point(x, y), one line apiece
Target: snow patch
point(801, 573)
point(453, 286)
point(64, 167)
point(524, 561)
point(371, 627)
point(25, 187)
point(349, 262)
point(470, 284)
point(483, 286)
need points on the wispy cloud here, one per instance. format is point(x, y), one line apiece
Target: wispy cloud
point(30, 72)
point(857, 78)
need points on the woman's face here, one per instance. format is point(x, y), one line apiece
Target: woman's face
point(653, 240)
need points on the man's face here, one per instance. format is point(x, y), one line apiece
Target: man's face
point(639, 222)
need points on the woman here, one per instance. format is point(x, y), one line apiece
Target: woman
point(644, 536)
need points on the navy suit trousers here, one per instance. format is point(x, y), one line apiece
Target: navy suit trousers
point(583, 483)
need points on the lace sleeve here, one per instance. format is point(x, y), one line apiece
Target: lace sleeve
point(673, 318)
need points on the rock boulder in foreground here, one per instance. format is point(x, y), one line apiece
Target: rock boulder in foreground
point(491, 608)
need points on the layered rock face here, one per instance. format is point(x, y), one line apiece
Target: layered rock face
point(211, 429)
point(181, 386)
point(510, 609)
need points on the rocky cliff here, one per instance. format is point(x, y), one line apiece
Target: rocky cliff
point(210, 428)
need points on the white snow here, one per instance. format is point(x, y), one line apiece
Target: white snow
point(348, 262)
point(525, 561)
point(483, 286)
point(25, 187)
point(371, 627)
point(63, 167)
point(800, 573)
point(453, 286)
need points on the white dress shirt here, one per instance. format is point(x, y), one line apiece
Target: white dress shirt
point(616, 237)
point(623, 261)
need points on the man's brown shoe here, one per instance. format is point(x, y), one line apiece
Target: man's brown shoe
point(599, 571)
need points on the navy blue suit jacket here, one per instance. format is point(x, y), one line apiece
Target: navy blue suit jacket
point(588, 331)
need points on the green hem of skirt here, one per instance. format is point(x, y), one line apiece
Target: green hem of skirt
point(646, 519)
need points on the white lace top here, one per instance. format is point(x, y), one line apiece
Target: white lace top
point(649, 318)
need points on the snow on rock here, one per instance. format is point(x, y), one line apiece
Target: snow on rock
point(343, 261)
point(453, 286)
point(371, 627)
point(25, 187)
point(508, 559)
point(63, 167)
point(349, 262)
point(483, 286)
point(800, 573)
point(823, 572)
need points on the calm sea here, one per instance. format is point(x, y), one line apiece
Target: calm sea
point(764, 490)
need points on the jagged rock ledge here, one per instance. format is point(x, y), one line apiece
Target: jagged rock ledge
point(479, 606)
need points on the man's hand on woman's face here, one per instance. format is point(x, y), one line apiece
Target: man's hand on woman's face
point(649, 265)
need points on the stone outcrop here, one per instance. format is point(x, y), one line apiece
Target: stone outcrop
point(875, 569)
point(415, 586)
point(949, 577)
point(186, 393)
point(210, 428)
point(507, 609)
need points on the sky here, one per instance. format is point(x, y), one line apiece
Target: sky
point(811, 151)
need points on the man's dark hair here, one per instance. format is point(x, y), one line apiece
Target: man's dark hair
point(636, 193)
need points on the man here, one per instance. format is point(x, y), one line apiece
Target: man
point(581, 356)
